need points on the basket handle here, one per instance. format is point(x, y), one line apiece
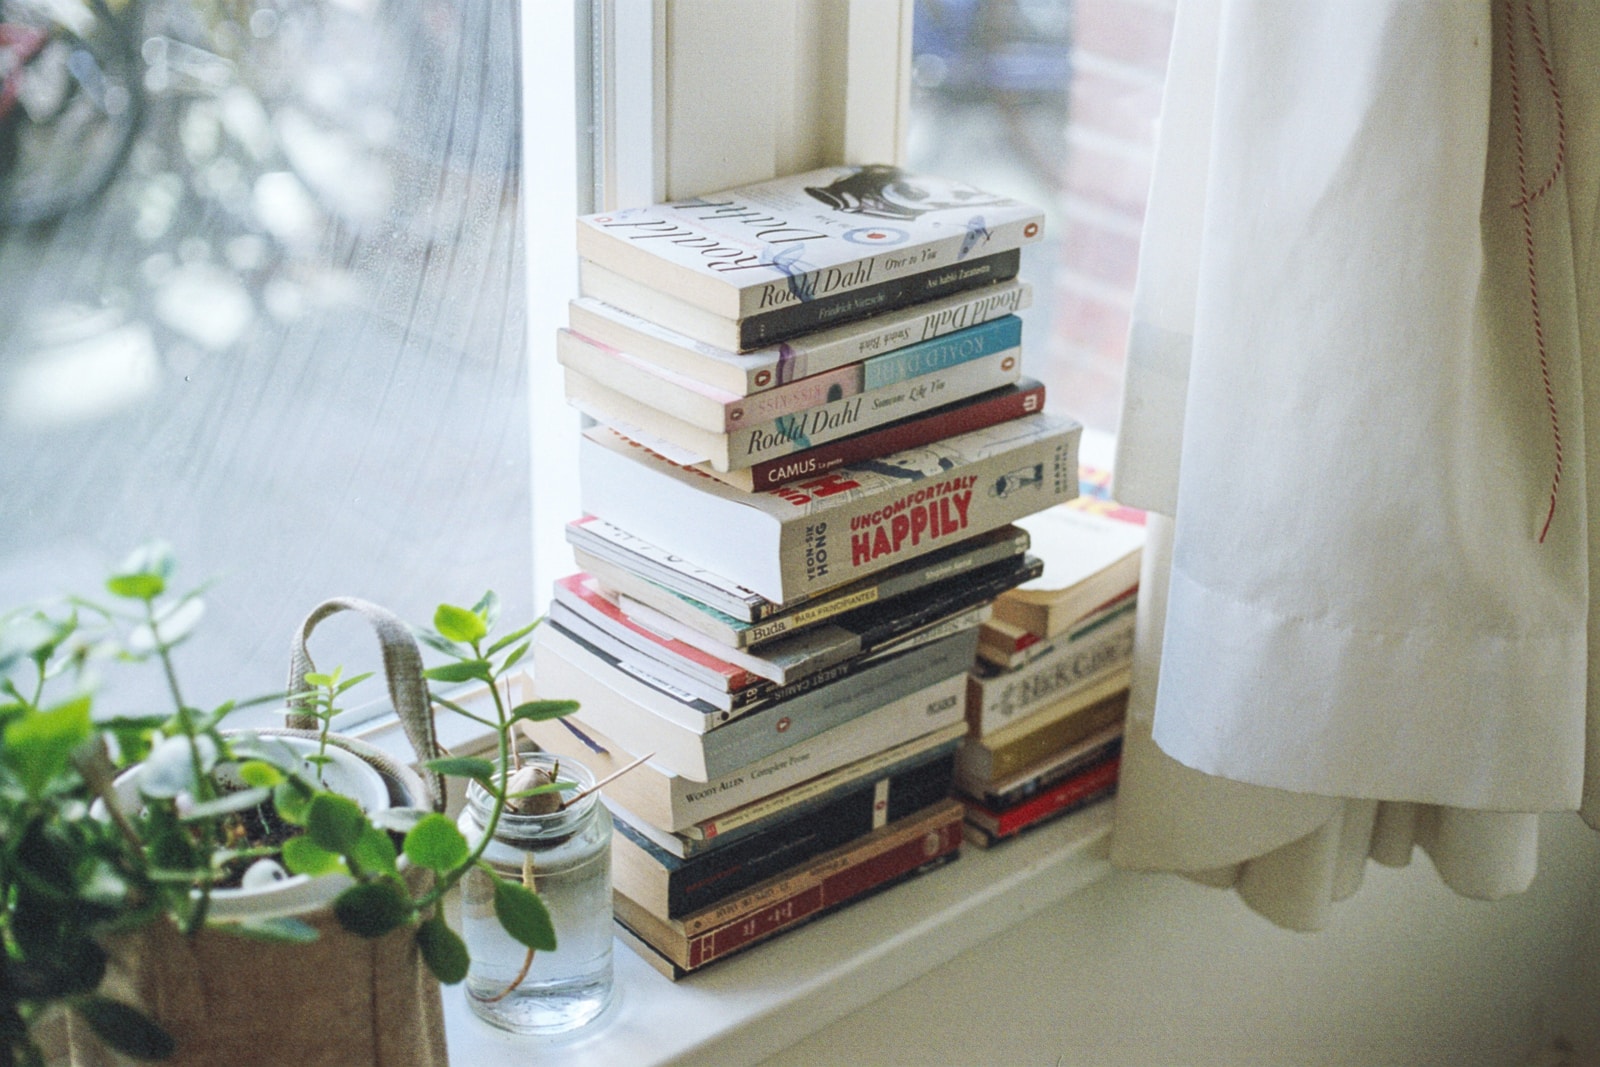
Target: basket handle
point(402, 669)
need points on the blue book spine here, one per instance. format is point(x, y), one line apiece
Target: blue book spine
point(941, 353)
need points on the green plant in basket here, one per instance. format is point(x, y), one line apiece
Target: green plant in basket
point(112, 826)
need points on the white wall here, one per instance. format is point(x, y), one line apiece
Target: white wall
point(1150, 969)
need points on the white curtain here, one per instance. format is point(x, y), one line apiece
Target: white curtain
point(1363, 356)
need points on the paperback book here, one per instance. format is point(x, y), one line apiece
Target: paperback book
point(865, 630)
point(1091, 548)
point(998, 697)
point(1024, 397)
point(781, 903)
point(673, 802)
point(1026, 744)
point(630, 566)
point(671, 886)
point(987, 827)
point(858, 779)
point(751, 373)
point(785, 435)
point(814, 238)
point(657, 721)
point(1066, 762)
point(715, 411)
point(784, 324)
point(811, 536)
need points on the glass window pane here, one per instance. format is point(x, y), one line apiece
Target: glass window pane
point(1053, 101)
point(262, 277)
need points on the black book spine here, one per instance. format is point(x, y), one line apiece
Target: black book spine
point(804, 316)
point(703, 880)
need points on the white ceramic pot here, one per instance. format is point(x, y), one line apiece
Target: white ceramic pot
point(292, 894)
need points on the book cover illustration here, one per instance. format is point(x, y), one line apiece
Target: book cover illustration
point(800, 238)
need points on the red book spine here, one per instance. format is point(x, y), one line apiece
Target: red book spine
point(1064, 794)
point(1025, 399)
point(834, 889)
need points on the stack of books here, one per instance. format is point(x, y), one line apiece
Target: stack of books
point(1046, 700)
point(812, 442)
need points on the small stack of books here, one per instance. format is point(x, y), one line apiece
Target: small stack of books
point(1046, 700)
point(812, 442)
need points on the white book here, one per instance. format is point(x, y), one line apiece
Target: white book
point(765, 369)
point(622, 705)
point(809, 536)
point(674, 802)
point(800, 430)
point(716, 411)
point(806, 237)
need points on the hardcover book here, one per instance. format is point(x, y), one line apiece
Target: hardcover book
point(751, 373)
point(701, 600)
point(655, 721)
point(783, 902)
point(672, 887)
point(804, 238)
point(673, 802)
point(716, 411)
point(783, 436)
point(811, 536)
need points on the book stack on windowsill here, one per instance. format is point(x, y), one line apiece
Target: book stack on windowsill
point(812, 443)
point(1046, 700)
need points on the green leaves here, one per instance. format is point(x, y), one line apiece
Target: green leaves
point(39, 744)
point(125, 1029)
point(540, 710)
point(436, 844)
point(523, 915)
point(144, 573)
point(372, 909)
point(335, 822)
point(459, 624)
point(479, 770)
point(443, 950)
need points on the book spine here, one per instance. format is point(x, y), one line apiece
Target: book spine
point(944, 256)
point(843, 878)
point(576, 592)
point(997, 700)
point(983, 763)
point(703, 881)
point(926, 357)
point(800, 316)
point(831, 545)
point(940, 567)
point(915, 360)
point(1012, 402)
point(774, 727)
point(1092, 749)
point(650, 670)
point(1071, 793)
point(625, 549)
point(798, 797)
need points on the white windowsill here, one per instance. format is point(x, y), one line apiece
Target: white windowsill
point(751, 1006)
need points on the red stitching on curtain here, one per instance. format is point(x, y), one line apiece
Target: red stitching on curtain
point(1525, 204)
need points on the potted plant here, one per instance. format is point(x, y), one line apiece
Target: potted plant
point(139, 917)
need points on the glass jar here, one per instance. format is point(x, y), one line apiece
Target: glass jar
point(565, 857)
